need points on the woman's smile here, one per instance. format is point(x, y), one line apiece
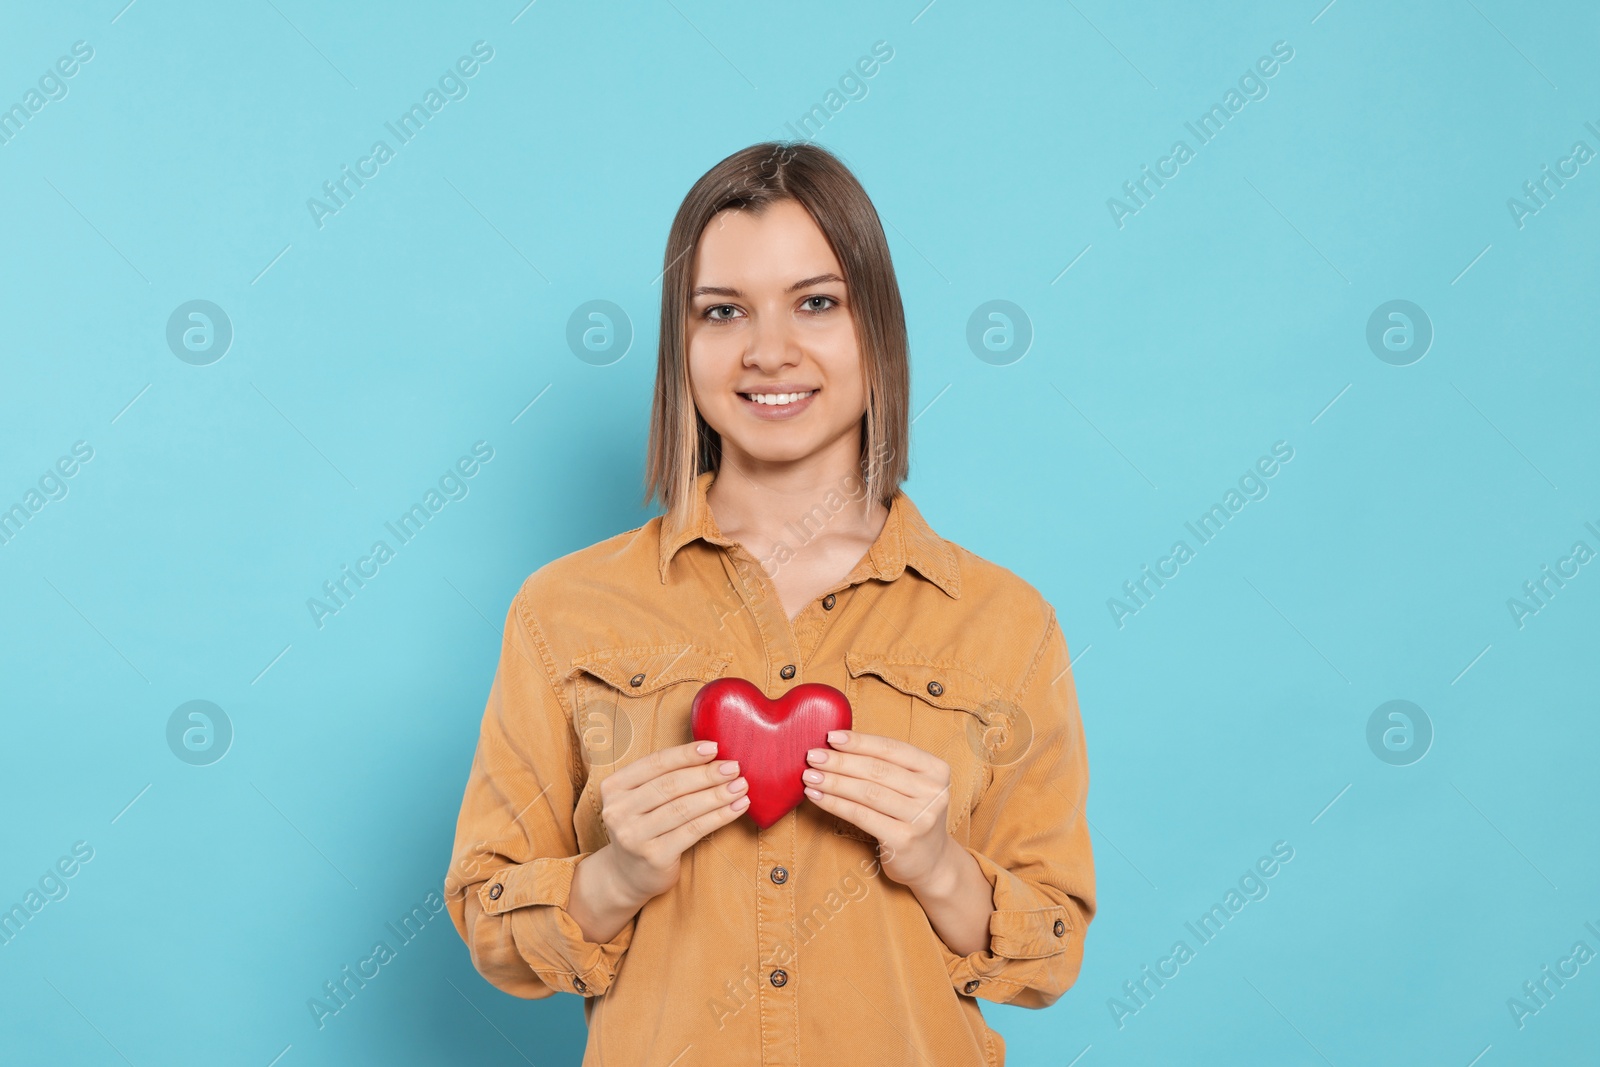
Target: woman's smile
point(773, 404)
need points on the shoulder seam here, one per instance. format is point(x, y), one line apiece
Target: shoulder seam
point(526, 615)
point(1051, 626)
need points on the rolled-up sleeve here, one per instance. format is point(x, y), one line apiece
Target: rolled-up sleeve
point(1030, 837)
point(516, 847)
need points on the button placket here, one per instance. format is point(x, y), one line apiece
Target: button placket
point(775, 938)
point(777, 645)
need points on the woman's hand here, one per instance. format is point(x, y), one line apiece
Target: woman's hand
point(656, 807)
point(894, 791)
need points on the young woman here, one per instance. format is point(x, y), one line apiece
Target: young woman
point(942, 855)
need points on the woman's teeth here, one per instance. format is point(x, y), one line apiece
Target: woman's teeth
point(777, 398)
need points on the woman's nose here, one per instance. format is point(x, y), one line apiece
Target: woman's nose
point(772, 344)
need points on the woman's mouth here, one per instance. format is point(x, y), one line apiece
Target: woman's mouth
point(777, 405)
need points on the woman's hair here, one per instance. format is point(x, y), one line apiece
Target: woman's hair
point(682, 445)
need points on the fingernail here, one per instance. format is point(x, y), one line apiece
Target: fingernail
point(836, 736)
point(741, 804)
point(816, 755)
point(737, 785)
point(705, 748)
point(731, 767)
point(812, 776)
point(812, 793)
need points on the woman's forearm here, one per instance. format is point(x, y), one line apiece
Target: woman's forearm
point(958, 900)
point(597, 900)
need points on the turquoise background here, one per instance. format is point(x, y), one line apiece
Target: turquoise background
point(1229, 313)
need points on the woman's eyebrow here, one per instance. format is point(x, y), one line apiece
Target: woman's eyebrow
point(719, 290)
point(805, 283)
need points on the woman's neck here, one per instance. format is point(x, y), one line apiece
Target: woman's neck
point(818, 500)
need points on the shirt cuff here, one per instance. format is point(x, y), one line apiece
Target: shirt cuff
point(1025, 926)
point(548, 937)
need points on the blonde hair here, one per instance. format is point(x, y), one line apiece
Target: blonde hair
point(682, 444)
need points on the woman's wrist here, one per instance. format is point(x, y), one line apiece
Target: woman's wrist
point(957, 898)
point(600, 901)
point(944, 876)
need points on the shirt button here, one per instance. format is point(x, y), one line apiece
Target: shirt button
point(970, 987)
point(780, 977)
point(636, 681)
point(579, 983)
point(935, 688)
point(1060, 927)
point(827, 602)
point(788, 670)
point(780, 876)
point(495, 891)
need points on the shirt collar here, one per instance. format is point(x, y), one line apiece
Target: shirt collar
point(906, 539)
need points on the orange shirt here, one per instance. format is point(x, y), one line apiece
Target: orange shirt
point(783, 946)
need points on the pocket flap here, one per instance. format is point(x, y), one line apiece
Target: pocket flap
point(643, 669)
point(941, 685)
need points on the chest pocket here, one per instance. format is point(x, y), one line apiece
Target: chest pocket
point(628, 703)
point(941, 709)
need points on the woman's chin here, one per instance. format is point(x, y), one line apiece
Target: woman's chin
point(768, 450)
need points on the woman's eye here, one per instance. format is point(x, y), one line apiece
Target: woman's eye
point(807, 303)
point(711, 312)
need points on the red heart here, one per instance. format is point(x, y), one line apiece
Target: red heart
point(769, 738)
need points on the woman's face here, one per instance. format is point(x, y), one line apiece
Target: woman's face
point(773, 361)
